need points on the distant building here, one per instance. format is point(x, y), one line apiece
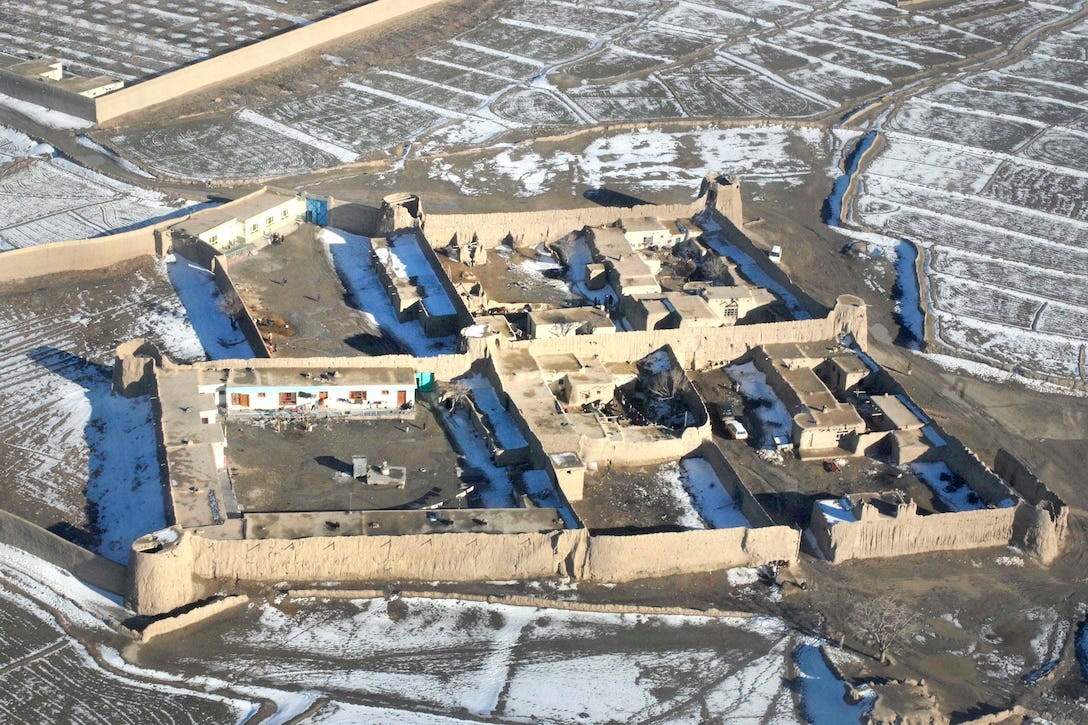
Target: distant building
point(628, 272)
point(645, 232)
point(736, 302)
point(682, 230)
point(570, 321)
point(670, 310)
point(56, 74)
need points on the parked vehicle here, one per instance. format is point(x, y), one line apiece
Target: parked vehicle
point(775, 255)
point(736, 430)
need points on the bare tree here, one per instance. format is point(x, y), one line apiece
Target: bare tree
point(885, 622)
point(715, 269)
point(458, 393)
point(567, 328)
point(667, 384)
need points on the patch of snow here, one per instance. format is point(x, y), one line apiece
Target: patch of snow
point(404, 258)
point(823, 696)
point(708, 495)
point(742, 576)
point(44, 116)
point(59, 590)
point(349, 254)
point(88, 142)
point(771, 412)
point(952, 491)
point(208, 320)
point(668, 476)
point(837, 511)
point(539, 488)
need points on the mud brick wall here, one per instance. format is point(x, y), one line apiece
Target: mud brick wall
point(251, 58)
point(241, 313)
point(916, 534)
point(78, 255)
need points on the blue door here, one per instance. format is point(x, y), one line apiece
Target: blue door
point(317, 211)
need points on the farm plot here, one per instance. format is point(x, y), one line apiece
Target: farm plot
point(1060, 146)
point(225, 148)
point(51, 199)
point(48, 675)
point(508, 662)
point(638, 160)
point(556, 64)
point(1057, 285)
point(989, 172)
point(352, 118)
point(72, 456)
point(961, 297)
point(507, 38)
point(535, 107)
point(628, 100)
point(963, 125)
point(1064, 194)
point(132, 40)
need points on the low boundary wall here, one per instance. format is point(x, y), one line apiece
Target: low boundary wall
point(251, 58)
point(85, 565)
point(80, 255)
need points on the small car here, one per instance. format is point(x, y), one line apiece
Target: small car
point(736, 430)
point(775, 255)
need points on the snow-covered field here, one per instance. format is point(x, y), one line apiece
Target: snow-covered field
point(131, 41)
point(72, 455)
point(47, 675)
point(45, 198)
point(560, 65)
point(640, 160)
point(987, 174)
point(522, 664)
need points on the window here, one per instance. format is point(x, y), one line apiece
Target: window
point(647, 240)
point(262, 395)
point(284, 214)
point(213, 239)
point(236, 399)
point(269, 221)
point(385, 392)
point(357, 396)
point(288, 398)
point(253, 228)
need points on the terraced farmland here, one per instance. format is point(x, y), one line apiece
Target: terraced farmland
point(132, 40)
point(989, 174)
point(559, 65)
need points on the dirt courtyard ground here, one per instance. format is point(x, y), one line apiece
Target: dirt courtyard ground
point(299, 470)
point(294, 282)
